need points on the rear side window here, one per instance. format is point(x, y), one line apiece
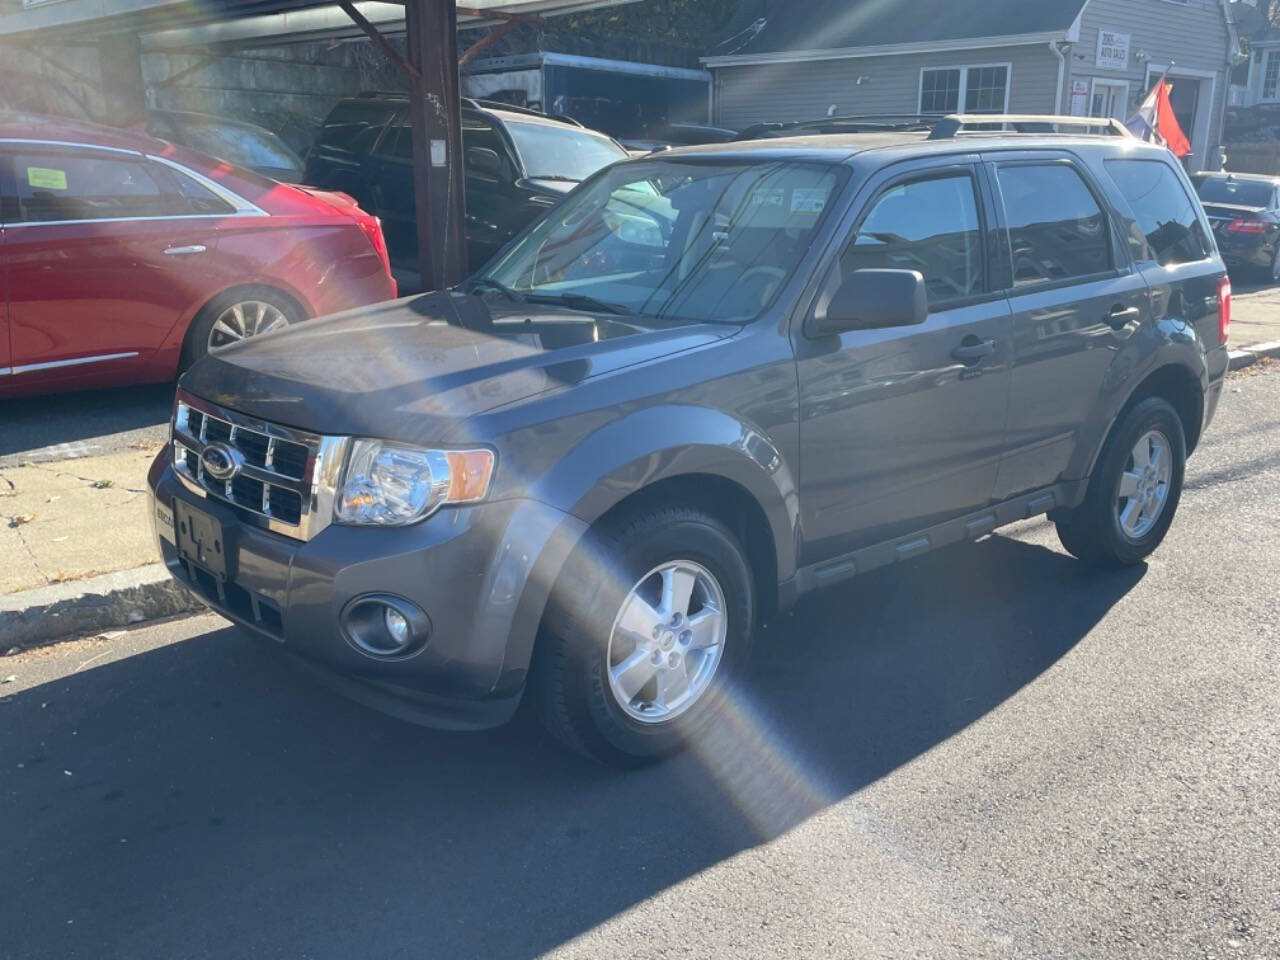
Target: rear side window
point(353, 125)
point(199, 197)
point(927, 225)
point(85, 186)
point(1167, 217)
point(1057, 231)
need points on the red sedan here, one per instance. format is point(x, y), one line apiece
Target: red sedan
point(123, 259)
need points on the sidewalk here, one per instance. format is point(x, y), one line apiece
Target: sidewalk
point(1255, 317)
point(67, 530)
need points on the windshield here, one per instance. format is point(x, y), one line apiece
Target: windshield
point(690, 241)
point(561, 152)
point(1245, 193)
point(242, 146)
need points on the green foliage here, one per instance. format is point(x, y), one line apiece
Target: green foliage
point(690, 23)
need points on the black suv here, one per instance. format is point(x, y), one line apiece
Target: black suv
point(517, 163)
point(707, 383)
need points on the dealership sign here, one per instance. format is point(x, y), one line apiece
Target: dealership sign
point(1113, 50)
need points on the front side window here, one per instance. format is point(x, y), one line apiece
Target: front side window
point(1057, 231)
point(69, 185)
point(930, 226)
point(689, 241)
point(982, 89)
point(557, 151)
point(1166, 216)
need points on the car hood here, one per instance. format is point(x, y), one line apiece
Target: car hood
point(413, 368)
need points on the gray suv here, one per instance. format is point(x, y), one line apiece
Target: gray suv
point(704, 384)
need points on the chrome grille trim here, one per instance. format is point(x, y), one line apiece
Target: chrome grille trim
point(315, 489)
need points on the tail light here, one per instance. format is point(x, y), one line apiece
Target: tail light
point(1247, 225)
point(372, 228)
point(1224, 308)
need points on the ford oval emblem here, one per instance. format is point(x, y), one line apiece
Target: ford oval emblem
point(221, 462)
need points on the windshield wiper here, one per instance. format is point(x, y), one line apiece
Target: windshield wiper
point(580, 301)
point(554, 176)
point(488, 283)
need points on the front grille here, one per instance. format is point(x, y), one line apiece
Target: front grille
point(274, 465)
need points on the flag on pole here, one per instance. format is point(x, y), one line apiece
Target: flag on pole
point(1156, 122)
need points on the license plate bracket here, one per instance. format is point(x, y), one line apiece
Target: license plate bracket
point(201, 539)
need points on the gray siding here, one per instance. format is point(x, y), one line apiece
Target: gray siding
point(1192, 35)
point(805, 90)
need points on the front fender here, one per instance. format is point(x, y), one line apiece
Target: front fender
point(659, 443)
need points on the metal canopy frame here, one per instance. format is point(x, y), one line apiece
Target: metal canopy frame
point(431, 68)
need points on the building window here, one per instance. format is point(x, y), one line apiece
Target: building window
point(1271, 76)
point(940, 91)
point(983, 89)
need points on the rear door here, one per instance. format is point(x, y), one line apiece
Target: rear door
point(903, 427)
point(1076, 300)
point(104, 255)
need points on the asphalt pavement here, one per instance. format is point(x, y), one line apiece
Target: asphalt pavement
point(72, 425)
point(988, 752)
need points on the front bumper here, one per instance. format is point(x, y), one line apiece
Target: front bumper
point(482, 574)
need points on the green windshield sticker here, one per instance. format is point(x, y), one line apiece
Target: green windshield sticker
point(46, 179)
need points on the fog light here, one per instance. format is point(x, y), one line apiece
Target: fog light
point(385, 626)
point(398, 627)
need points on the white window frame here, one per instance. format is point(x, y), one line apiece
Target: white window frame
point(964, 82)
point(1265, 56)
point(1108, 82)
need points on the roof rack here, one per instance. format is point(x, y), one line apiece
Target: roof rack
point(954, 125)
point(852, 123)
point(513, 108)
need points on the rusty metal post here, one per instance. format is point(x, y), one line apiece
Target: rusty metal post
point(435, 110)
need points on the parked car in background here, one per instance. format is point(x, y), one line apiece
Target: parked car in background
point(678, 135)
point(1245, 212)
point(517, 164)
point(243, 144)
point(124, 259)
point(709, 382)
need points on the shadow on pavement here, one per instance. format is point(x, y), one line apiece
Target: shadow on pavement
point(31, 423)
point(219, 804)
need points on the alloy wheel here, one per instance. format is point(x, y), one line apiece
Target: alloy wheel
point(1143, 490)
point(248, 318)
point(667, 642)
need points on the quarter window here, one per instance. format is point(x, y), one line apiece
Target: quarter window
point(1167, 219)
point(85, 186)
point(927, 225)
point(976, 89)
point(1057, 231)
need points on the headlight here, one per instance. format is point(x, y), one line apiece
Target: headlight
point(394, 484)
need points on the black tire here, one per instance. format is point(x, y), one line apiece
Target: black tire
point(569, 683)
point(1092, 531)
point(196, 344)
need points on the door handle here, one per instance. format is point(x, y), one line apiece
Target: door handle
point(184, 251)
point(1119, 316)
point(971, 350)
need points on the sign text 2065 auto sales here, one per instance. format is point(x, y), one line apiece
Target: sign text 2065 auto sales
point(1113, 50)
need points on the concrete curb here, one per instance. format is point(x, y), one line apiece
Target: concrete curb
point(1238, 359)
point(91, 606)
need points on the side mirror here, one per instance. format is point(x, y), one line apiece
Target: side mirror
point(484, 161)
point(870, 299)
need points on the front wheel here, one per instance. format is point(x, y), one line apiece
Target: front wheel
point(1134, 492)
point(650, 621)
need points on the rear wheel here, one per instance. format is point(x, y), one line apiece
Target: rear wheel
point(238, 315)
point(1134, 492)
point(650, 620)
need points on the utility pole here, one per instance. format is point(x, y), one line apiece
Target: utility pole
point(435, 110)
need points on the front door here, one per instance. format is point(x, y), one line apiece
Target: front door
point(103, 257)
point(901, 428)
point(1076, 301)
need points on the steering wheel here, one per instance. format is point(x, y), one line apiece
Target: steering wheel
point(772, 277)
